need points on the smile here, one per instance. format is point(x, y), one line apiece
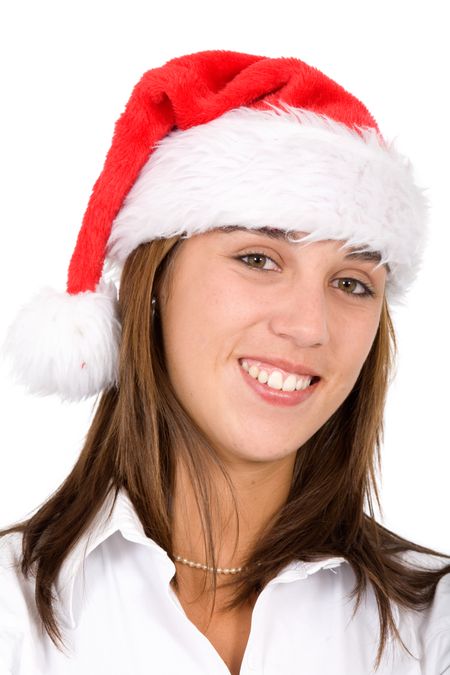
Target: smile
point(277, 387)
point(275, 379)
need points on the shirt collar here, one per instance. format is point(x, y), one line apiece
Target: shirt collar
point(121, 516)
point(110, 518)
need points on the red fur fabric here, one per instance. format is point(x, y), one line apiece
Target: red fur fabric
point(187, 91)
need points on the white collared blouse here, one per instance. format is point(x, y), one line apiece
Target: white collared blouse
point(120, 616)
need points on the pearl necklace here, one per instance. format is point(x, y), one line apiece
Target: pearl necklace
point(200, 566)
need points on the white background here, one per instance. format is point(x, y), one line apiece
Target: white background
point(68, 70)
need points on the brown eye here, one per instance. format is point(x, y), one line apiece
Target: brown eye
point(349, 286)
point(257, 261)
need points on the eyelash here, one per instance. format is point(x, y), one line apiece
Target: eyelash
point(368, 290)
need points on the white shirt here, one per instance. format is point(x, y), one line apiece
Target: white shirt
point(120, 616)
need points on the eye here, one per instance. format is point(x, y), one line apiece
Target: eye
point(350, 286)
point(257, 261)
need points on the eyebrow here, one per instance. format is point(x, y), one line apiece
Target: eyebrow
point(354, 253)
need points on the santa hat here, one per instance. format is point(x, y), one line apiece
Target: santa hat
point(211, 139)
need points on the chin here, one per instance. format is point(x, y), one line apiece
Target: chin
point(257, 453)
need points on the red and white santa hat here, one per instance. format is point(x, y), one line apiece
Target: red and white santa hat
point(211, 139)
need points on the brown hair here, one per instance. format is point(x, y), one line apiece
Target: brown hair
point(130, 444)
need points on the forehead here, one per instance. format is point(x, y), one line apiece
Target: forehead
point(353, 253)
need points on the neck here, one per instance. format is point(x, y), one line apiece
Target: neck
point(260, 490)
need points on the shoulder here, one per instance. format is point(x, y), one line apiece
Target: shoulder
point(429, 629)
point(11, 577)
point(437, 615)
point(16, 601)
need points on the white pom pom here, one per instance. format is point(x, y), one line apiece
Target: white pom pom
point(66, 344)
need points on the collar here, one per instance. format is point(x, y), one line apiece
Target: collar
point(121, 516)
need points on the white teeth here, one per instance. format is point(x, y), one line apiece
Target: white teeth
point(289, 383)
point(302, 383)
point(253, 371)
point(275, 379)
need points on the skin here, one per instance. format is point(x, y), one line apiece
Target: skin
point(291, 304)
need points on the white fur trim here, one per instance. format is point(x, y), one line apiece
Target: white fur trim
point(286, 168)
point(66, 344)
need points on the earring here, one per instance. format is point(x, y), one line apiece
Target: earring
point(154, 306)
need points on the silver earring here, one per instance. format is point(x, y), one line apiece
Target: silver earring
point(153, 306)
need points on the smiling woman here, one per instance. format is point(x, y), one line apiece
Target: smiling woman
point(220, 517)
point(226, 311)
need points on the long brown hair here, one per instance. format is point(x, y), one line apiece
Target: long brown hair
point(130, 444)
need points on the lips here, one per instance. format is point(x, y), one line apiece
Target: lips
point(283, 365)
point(276, 397)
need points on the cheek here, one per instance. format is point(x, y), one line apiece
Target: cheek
point(353, 347)
point(201, 322)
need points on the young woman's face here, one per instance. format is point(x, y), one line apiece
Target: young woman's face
point(244, 296)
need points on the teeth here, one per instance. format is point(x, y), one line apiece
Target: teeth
point(275, 379)
point(289, 383)
point(253, 371)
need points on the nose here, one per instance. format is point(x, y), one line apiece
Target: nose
point(300, 314)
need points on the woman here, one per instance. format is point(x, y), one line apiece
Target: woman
point(220, 516)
